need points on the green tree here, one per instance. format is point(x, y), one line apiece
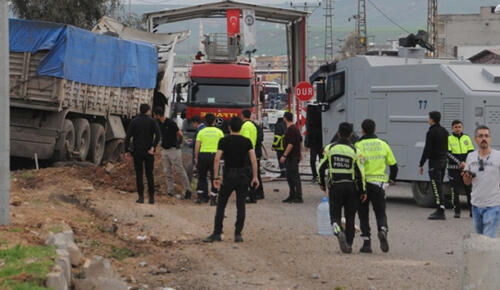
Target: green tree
point(81, 13)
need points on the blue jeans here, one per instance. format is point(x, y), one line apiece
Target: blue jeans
point(486, 220)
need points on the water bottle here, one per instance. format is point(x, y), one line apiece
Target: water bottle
point(324, 226)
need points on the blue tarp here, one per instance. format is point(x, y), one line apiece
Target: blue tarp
point(82, 56)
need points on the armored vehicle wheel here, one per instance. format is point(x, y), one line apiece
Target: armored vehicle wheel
point(66, 142)
point(423, 194)
point(82, 137)
point(97, 143)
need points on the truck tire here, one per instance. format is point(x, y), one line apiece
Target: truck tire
point(114, 150)
point(422, 193)
point(65, 143)
point(97, 143)
point(82, 137)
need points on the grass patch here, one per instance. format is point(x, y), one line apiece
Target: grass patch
point(81, 220)
point(121, 253)
point(15, 230)
point(57, 229)
point(28, 175)
point(25, 267)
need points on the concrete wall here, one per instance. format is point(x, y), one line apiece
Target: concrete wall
point(455, 30)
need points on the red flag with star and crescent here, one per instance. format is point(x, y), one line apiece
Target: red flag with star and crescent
point(233, 21)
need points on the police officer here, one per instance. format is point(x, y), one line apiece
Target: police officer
point(346, 185)
point(459, 146)
point(436, 150)
point(376, 155)
point(204, 154)
point(278, 142)
point(249, 130)
point(237, 151)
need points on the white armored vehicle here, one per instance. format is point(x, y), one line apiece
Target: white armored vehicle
point(398, 93)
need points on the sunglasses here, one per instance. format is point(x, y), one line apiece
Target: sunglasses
point(483, 136)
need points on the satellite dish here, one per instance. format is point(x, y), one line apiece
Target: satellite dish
point(497, 9)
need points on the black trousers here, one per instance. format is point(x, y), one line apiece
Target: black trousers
point(233, 180)
point(281, 165)
point(437, 170)
point(144, 160)
point(205, 167)
point(293, 177)
point(346, 196)
point(457, 187)
point(313, 154)
point(376, 195)
point(255, 193)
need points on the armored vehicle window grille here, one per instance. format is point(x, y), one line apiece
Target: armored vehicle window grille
point(335, 86)
point(493, 115)
point(452, 110)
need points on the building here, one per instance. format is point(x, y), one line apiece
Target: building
point(464, 35)
point(487, 56)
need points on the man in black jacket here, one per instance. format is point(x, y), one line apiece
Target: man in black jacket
point(436, 151)
point(278, 144)
point(145, 135)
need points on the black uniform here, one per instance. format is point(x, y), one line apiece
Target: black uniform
point(258, 193)
point(236, 176)
point(346, 183)
point(313, 141)
point(436, 150)
point(145, 133)
point(278, 143)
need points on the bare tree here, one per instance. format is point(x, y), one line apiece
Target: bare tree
point(81, 13)
point(348, 48)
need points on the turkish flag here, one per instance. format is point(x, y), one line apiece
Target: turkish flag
point(233, 21)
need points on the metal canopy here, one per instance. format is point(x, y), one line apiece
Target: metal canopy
point(295, 22)
point(218, 10)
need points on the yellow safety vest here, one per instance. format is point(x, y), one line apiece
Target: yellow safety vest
point(249, 131)
point(375, 156)
point(342, 159)
point(278, 143)
point(209, 139)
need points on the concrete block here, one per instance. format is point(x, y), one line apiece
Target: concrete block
point(63, 261)
point(481, 262)
point(69, 236)
point(55, 279)
point(75, 255)
point(99, 267)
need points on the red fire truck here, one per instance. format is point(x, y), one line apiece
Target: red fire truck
point(222, 85)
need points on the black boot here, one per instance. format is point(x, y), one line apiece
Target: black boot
point(212, 238)
point(238, 238)
point(187, 195)
point(151, 199)
point(213, 200)
point(437, 215)
point(367, 246)
point(140, 199)
point(289, 199)
point(382, 236)
point(457, 213)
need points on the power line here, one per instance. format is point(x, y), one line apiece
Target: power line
point(388, 18)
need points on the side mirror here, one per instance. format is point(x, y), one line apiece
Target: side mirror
point(320, 93)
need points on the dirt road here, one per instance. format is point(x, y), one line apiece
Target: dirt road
point(282, 250)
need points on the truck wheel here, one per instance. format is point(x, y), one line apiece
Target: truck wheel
point(114, 150)
point(82, 137)
point(66, 142)
point(423, 194)
point(97, 143)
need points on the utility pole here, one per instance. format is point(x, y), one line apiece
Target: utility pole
point(432, 20)
point(361, 34)
point(4, 114)
point(306, 6)
point(328, 49)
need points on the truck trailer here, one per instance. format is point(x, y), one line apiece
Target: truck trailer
point(72, 92)
point(398, 93)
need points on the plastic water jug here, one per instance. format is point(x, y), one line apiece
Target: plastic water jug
point(324, 226)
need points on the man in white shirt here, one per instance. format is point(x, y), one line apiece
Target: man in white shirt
point(483, 172)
